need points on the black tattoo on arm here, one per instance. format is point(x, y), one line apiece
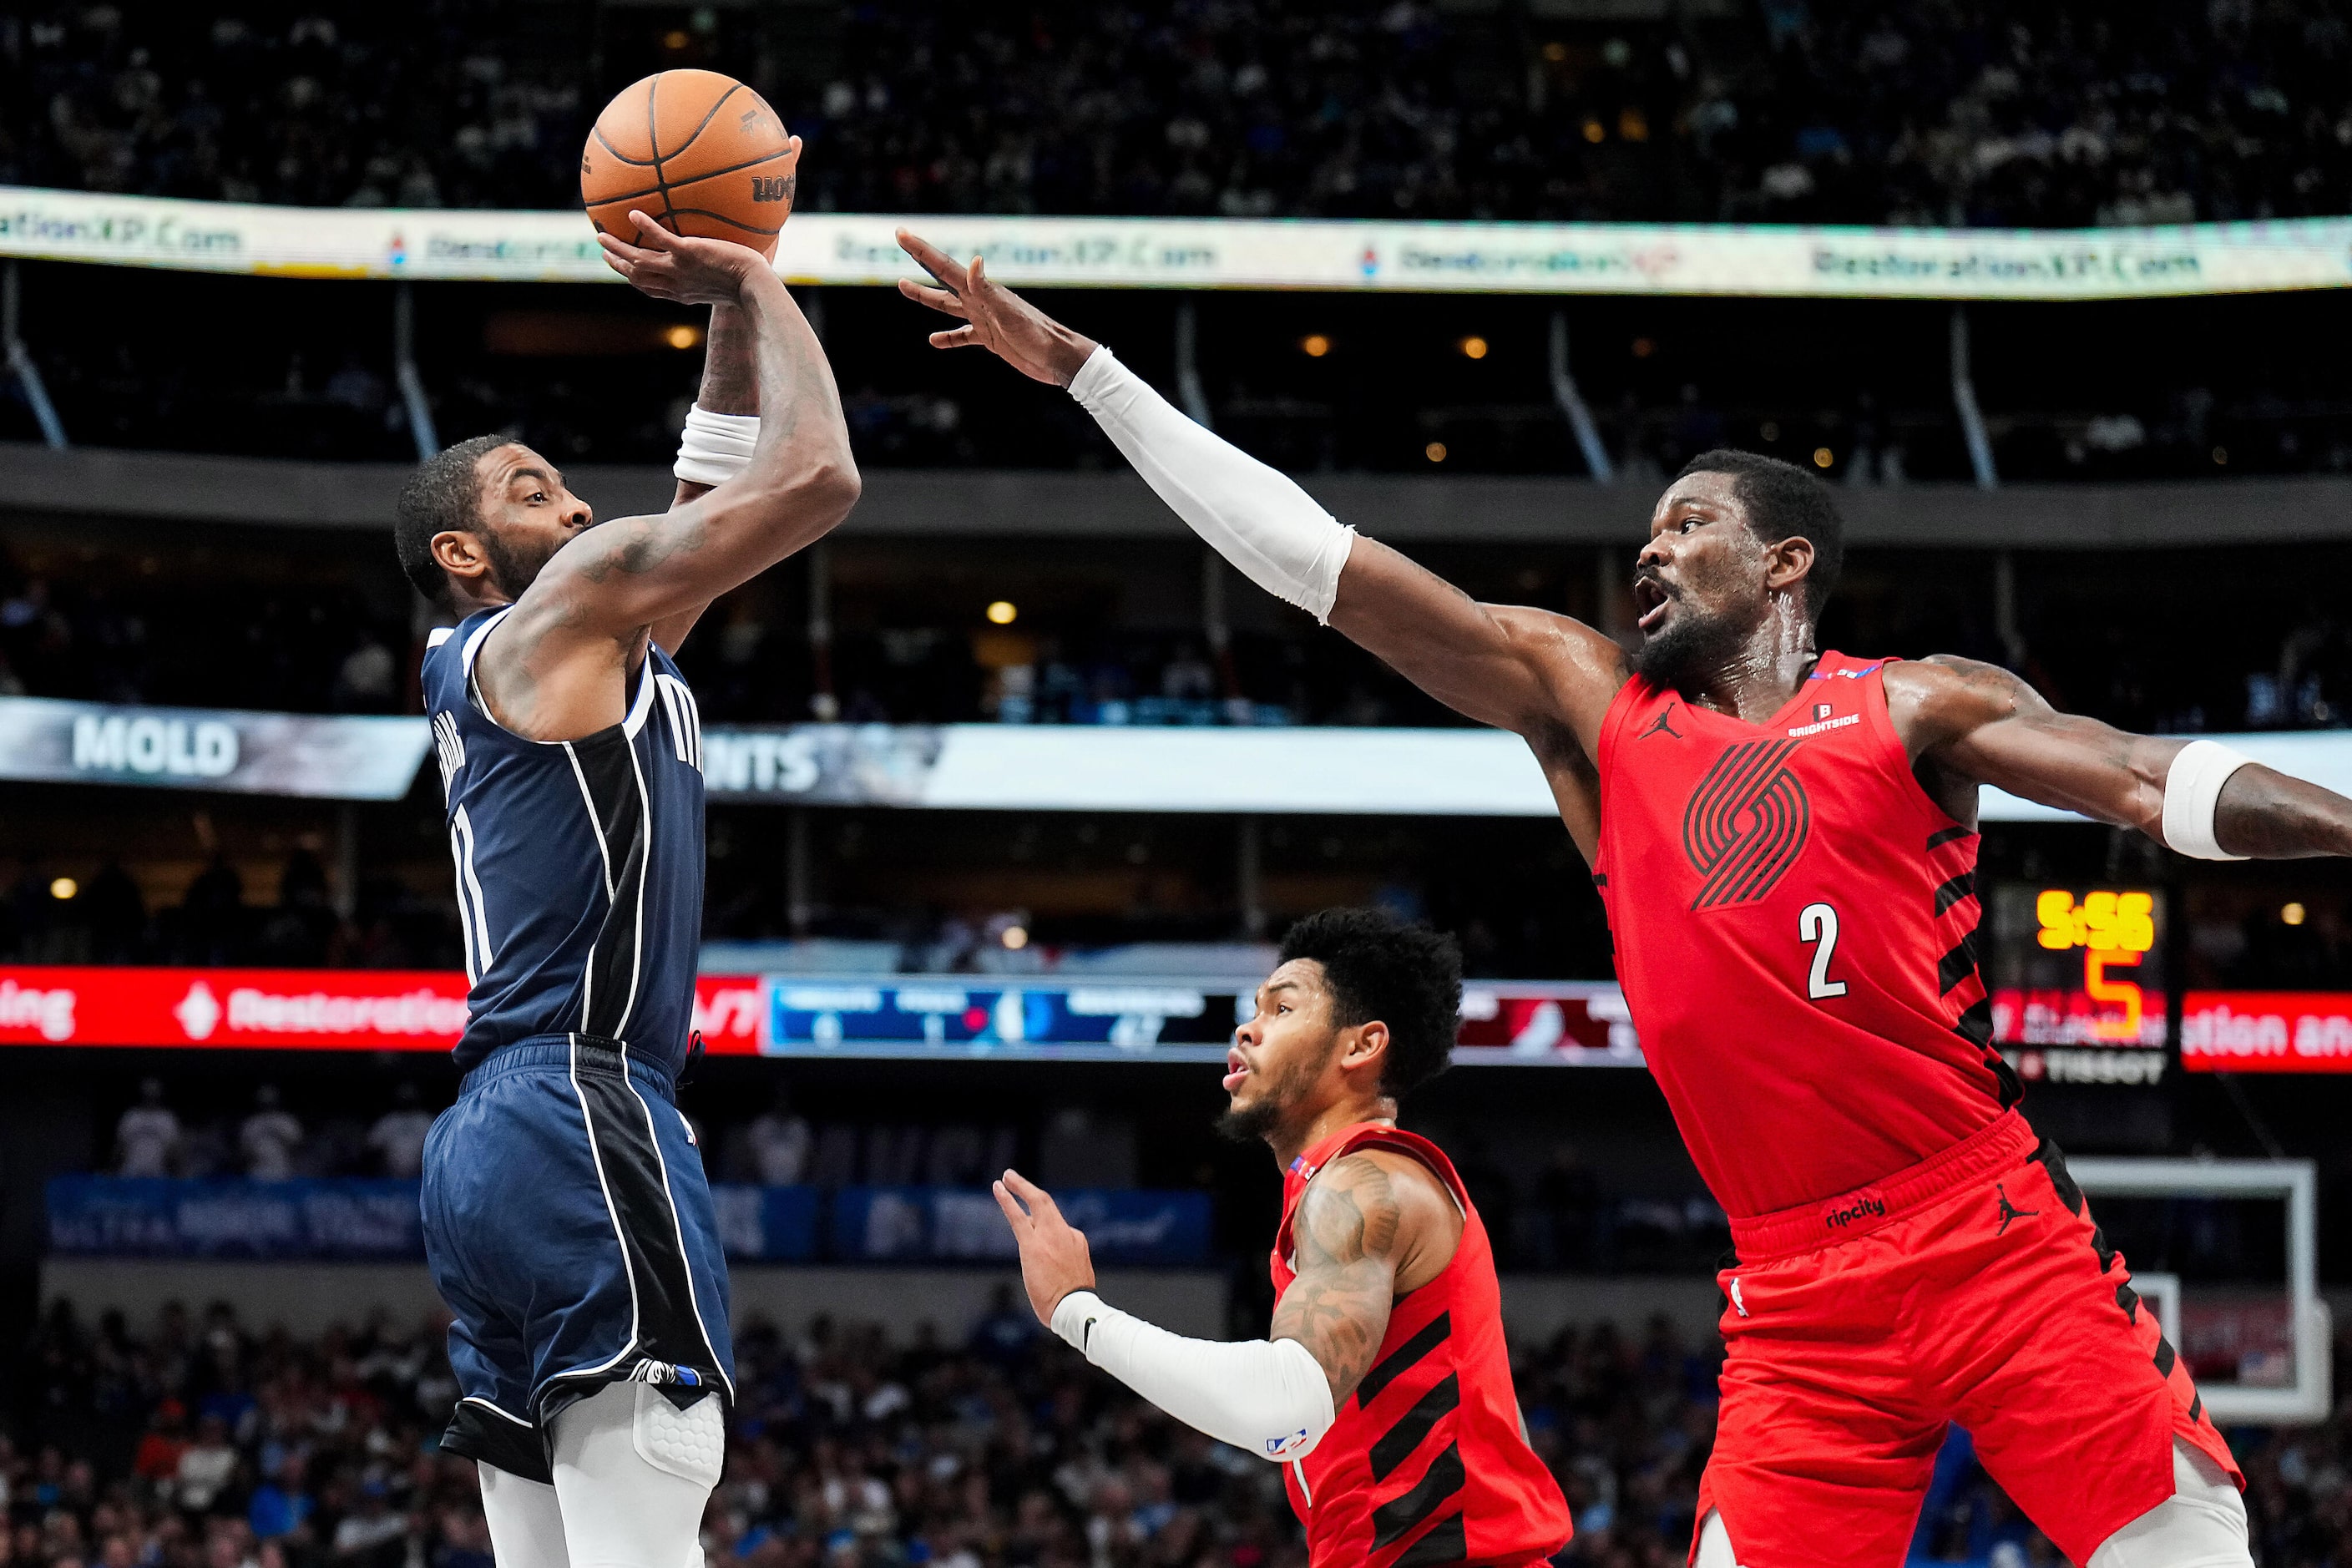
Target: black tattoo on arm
point(1345, 1247)
point(731, 364)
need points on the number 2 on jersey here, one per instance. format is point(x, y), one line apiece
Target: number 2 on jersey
point(1818, 924)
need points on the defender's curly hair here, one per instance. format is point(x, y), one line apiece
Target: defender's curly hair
point(1405, 975)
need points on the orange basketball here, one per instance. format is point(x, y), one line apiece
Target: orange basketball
point(697, 152)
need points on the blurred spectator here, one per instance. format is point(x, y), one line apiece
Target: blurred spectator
point(147, 1137)
point(780, 1143)
point(269, 1138)
point(398, 1136)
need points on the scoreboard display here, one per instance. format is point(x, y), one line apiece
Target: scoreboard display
point(2077, 967)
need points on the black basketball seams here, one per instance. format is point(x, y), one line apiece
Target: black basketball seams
point(618, 156)
point(733, 88)
point(653, 142)
point(731, 169)
point(721, 217)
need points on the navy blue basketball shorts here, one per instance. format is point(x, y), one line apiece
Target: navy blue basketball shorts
point(569, 1226)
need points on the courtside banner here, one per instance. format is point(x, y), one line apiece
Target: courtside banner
point(318, 756)
point(290, 1010)
point(2266, 1031)
point(1227, 253)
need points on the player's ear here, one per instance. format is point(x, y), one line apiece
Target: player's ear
point(1788, 563)
point(459, 554)
point(1364, 1046)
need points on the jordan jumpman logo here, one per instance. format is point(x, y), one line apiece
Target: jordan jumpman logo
point(2009, 1211)
point(1659, 726)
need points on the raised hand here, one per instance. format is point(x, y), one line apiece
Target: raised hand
point(994, 317)
point(679, 267)
point(1053, 1257)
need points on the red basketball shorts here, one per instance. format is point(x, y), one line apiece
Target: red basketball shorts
point(1973, 1288)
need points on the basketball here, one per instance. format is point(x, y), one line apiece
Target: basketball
point(700, 152)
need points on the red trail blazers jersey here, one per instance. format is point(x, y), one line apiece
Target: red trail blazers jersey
point(1425, 1464)
point(1793, 920)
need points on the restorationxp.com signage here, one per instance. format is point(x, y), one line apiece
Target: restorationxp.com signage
point(1788, 260)
point(287, 1009)
point(321, 756)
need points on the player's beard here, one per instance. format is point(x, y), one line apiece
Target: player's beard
point(1692, 646)
point(515, 570)
point(1263, 1116)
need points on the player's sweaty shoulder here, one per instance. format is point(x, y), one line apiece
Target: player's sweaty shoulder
point(1581, 670)
point(1943, 699)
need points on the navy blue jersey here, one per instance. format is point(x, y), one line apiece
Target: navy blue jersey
point(579, 863)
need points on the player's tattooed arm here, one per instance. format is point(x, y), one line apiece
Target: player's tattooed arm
point(1369, 1227)
point(730, 384)
point(1344, 1242)
point(1969, 723)
point(802, 480)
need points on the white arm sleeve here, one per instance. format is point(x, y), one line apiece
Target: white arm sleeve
point(1268, 1398)
point(2192, 793)
point(1255, 517)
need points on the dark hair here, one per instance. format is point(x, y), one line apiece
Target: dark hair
point(445, 493)
point(1783, 501)
point(1405, 975)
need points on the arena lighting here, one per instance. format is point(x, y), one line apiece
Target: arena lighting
point(1315, 345)
point(1823, 456)
point(1016, 938)
point(65, 887)
point(1004, 612)
point(682, 336)
point(1473, 348)
point(1770, 430)
point(2291, 915)
point(1434, 451)
point(2220, 454)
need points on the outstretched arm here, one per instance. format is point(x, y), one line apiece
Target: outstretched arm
point(1266, 1397)
point(1542, 675)
point(1977, 723)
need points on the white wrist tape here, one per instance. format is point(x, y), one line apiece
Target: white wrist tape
point(2192, 791)
point(715, 447)
point(1267, 1397)
point(1253, 516)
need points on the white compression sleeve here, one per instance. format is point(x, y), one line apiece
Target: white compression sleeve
point(1255, 517)
point(2192, 793)
point(1267, 1397)
point(715, 447)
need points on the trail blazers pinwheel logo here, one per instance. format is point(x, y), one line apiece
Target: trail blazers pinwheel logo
point(1745, 824)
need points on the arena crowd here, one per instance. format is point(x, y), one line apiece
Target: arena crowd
point(1980, 111)
point(205, 1441)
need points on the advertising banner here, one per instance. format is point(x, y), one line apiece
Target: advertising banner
point(769, 1225)
point(2266, 1031)
point(1319, 770)
point(1227, 253)
point(317, 756)
point(955, 1225)
point(288, 1009)
point(345, 1218)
